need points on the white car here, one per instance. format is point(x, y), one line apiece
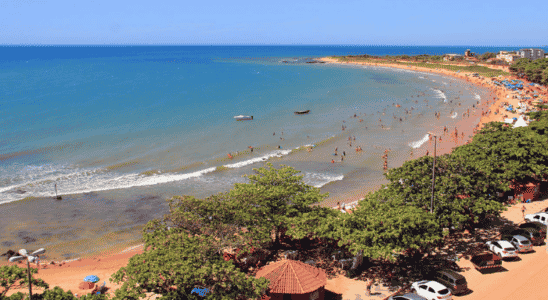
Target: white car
point(502, 248)
point(541, 217)
point(431, 290)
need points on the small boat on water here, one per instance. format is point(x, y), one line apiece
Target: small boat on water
point(243, 118)
point(302, 112)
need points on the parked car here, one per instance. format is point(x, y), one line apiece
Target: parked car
point(531, 234)
point(536, 225)
point(544, 210)
point(502, 248)
point(521, 243)
point(452, 280)
point(540, 217)
point(486, 260)
point(408, 296)
point(431, 290)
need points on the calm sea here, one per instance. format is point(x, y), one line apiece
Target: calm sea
point(119, 129)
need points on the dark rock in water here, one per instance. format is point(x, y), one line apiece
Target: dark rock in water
point(24, 235)
point(315, 62)
point(10, 253)
point(7, 243)
point(17, 191)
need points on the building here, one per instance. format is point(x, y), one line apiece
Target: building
point(294, 280)
point(531, 53)
point(508, 56)
point(451, 56)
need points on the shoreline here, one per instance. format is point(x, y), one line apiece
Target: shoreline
point(467, 125)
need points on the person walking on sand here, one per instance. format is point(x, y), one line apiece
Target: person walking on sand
point(368, 287)
point(523, 211)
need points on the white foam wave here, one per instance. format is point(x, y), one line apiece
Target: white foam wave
point(319, 180)
point(477, 97)
point(454, 115)
point(278, 153)
point(421, 77)
point(87, 180)
point(440, 95)
point(419, 143)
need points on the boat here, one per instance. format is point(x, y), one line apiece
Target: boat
point(302, 112)
point(243, 118)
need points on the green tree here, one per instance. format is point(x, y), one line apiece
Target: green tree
point(174, 263)
point(383, 225)
point(15, 277)
point(506, 154)
point(487, 55)
point(273, 199)
point(462, 194)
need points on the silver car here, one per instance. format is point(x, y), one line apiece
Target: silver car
point(521, 243)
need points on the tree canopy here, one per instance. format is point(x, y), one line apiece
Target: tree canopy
point(533, 70)
point(506, 154)
point(462, 193)
point(15, 277)
point(273, 199)
point(382, 225)
point(174, 263)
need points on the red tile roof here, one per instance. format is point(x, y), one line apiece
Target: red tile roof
point(292, 277)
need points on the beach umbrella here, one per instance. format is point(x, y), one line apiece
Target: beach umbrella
point(91, 278)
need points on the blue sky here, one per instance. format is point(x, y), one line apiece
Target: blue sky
point(390, 22)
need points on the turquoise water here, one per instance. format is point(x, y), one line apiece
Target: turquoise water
point(93, 118)
point(120, 129)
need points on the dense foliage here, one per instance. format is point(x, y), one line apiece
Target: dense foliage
point(462, 193)
point(534, 70)
point(507, 154)
point(15, 277)
point(383, 225)
point(487, 55)
point(174, 263)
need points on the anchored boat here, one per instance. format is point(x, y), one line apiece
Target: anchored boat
point(243, 118)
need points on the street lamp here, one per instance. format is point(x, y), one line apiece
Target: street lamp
point(30, 258)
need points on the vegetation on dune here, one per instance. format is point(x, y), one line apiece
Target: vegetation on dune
point(424, 61)
point(533, 70)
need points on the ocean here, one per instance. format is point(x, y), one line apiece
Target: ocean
point(119, 130)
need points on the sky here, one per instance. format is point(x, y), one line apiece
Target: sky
point(279, 22)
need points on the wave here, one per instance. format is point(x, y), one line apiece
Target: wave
point(477, 97)
point(440, 95)
point(454, 115)
point(319, 180)
point(420, 142)
point(278, 153)
point(421, 77)
point(77, 180)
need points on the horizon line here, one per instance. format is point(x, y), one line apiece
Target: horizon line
point(216, 45)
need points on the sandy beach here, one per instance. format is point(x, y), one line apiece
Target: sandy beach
point(525, 274)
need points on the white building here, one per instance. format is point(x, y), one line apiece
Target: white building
point(508, 56)
point(531, 53)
